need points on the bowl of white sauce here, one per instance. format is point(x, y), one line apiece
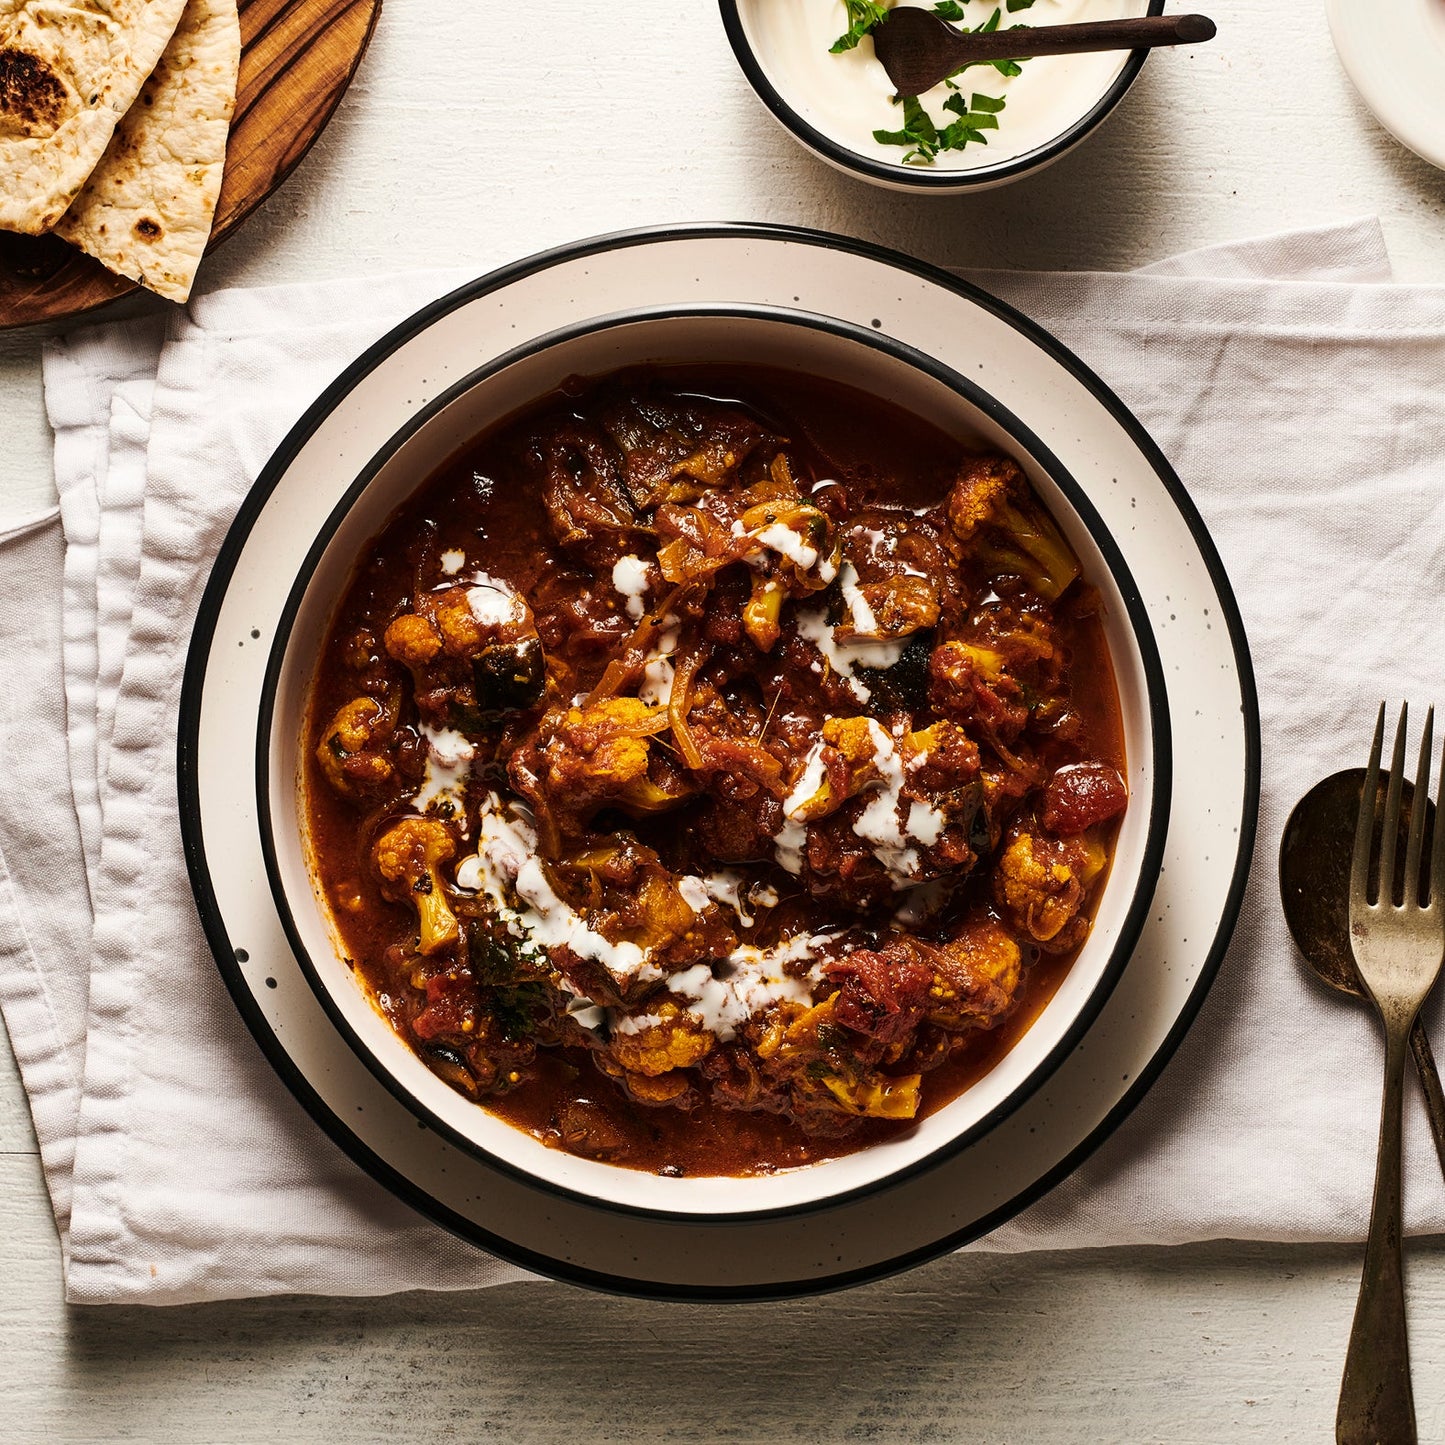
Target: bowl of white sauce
point(812, 63)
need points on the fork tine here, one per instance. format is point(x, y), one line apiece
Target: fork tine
point(1437, 855)
point(1365, 823)
point(1419, 806)
point(1390, 823)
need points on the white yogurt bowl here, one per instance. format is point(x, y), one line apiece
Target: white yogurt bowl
point(818, 346)
point(834, 103)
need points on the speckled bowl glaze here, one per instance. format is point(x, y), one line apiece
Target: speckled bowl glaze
point(816, 345)
point(247, 616)
point(832, 103)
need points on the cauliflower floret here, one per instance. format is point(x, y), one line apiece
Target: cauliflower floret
point(663, 1089)
point(598, 751)
point(408, 856)
point(877, 1096)
point(853, 739)
point(826, 1075)
point(353, 749)
point(976, 975)
point(473, 652)
point(412, 640)
point(1006, 531)
point(1042, 882)
point(580, 758)
point(461, 634)
point(675, 1041)
point(849, 762)
point(979, 494)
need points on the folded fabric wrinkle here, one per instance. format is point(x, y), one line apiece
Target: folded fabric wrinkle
point(1273, 374)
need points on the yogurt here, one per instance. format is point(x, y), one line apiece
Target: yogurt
point(847, 97)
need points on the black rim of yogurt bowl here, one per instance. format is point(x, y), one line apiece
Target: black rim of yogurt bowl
point(231, 960)
point(1022, 438)
point(894, 173)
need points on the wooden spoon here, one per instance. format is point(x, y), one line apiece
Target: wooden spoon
point(918, 49)
point(1314, 887)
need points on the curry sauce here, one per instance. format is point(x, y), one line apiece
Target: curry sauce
point(712, 771)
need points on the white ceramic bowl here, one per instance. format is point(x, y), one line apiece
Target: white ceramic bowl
point(819, 346)
point(834, 103)
point(1395, 55)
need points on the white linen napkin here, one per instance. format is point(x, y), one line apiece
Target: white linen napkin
point(1299, 393)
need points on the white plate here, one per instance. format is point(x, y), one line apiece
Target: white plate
point(1211, 700)
point(1394, 52)
point(818, 346)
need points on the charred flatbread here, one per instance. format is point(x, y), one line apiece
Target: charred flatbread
point(69, 70)
point(147, 209)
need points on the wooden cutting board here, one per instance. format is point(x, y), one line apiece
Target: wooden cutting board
point(297, 58)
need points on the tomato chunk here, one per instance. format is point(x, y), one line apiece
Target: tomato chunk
point(1081, 795)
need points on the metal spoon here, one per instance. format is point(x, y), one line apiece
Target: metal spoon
point(1314, 887)
point(918, 49)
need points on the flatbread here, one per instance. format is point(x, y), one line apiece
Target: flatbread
point(146, 210)
point(69, 69)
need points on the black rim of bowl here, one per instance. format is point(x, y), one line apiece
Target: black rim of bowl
point(230, 959)
point(1025, 440)
point(893, 173)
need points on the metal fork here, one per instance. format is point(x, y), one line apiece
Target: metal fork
point(1399, 947)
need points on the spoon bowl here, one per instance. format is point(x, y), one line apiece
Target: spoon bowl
point(1314, 888)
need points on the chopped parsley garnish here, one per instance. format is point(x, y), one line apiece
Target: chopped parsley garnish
point(926, 139)
point(863, 16)
point(922, 135)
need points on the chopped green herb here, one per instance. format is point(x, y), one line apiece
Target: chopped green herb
point(863, 16)
point(1004, 67)
point(974, 118)
point(519, 1010)
point(924, 138)
point(920, 135)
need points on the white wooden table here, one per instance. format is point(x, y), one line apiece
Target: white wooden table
point(462, 143)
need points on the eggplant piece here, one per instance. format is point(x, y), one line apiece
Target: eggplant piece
point(904, 686)
point(509, 676)
point(449, 1065)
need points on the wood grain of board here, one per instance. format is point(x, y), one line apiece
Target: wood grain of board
point(297, 58)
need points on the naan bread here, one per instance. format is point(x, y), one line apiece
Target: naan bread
point(146, 210)
point(69, 69)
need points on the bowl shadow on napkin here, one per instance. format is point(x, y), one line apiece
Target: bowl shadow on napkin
point(553, 1362)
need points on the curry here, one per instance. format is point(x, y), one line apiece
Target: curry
point(712, 771)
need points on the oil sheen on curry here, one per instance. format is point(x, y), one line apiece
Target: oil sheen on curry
point(712, 771)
